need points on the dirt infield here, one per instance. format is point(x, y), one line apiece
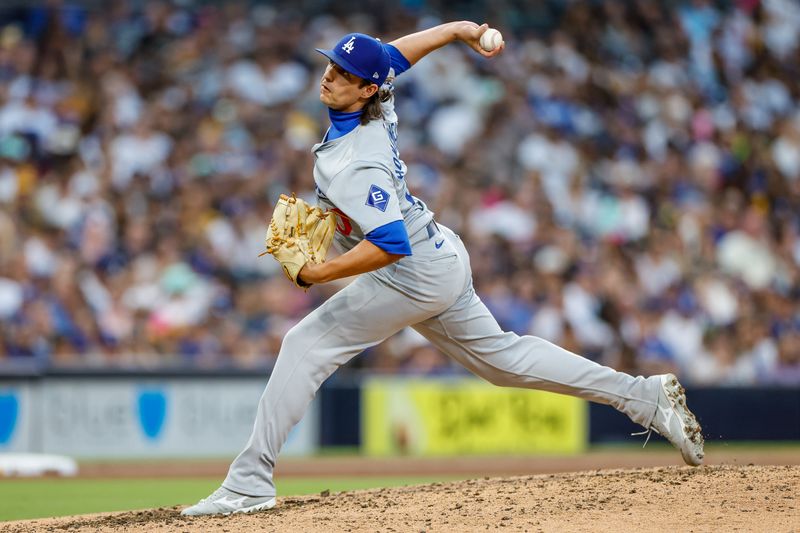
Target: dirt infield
point(709, 498)
point(467, 466)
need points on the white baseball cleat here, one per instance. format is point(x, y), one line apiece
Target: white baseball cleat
point(675, 422)
point(225, 502)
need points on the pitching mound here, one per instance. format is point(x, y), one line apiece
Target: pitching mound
point(710, 498)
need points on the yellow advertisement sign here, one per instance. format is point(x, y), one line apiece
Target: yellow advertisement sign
point(467, 416)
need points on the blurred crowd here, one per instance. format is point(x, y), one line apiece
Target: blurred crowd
point(626, 176)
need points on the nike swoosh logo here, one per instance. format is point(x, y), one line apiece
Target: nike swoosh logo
point(438, 244)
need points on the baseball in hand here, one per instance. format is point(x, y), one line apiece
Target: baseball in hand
point(491, 39)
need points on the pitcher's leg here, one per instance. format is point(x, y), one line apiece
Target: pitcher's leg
point(357, 317)
point(307, 357)
point(469, 333)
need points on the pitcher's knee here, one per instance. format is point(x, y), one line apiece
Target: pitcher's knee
point(295, 338)
point(310, 342)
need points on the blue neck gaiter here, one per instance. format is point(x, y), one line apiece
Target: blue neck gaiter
point(342, 123)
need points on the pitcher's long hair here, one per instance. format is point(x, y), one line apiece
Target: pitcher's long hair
point(372, 110)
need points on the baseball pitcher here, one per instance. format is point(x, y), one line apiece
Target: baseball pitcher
point(411, 271)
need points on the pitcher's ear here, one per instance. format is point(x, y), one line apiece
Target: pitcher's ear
point(369, 90)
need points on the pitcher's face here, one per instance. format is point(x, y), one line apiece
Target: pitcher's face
point(343, 91)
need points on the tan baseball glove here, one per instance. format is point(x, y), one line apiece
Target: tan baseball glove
point(299, 233)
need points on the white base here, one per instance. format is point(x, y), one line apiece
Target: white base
point(36, 464)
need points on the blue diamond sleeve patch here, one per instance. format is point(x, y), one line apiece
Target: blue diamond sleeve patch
point(377, 198)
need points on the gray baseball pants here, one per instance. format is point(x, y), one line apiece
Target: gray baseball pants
point(432, 292)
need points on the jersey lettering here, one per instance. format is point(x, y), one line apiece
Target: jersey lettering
point(398, 165)
point(343, 224)
point(399, 172)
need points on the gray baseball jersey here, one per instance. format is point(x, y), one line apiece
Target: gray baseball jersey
point(361, 176)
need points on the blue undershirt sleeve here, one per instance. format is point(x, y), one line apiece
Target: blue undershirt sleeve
point(391, 238)
point(399, 62)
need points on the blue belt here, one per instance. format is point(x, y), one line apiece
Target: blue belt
point(432, 228)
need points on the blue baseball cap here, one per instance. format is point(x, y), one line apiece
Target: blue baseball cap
point(361, 55)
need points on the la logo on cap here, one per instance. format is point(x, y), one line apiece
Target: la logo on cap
point(349, 45)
